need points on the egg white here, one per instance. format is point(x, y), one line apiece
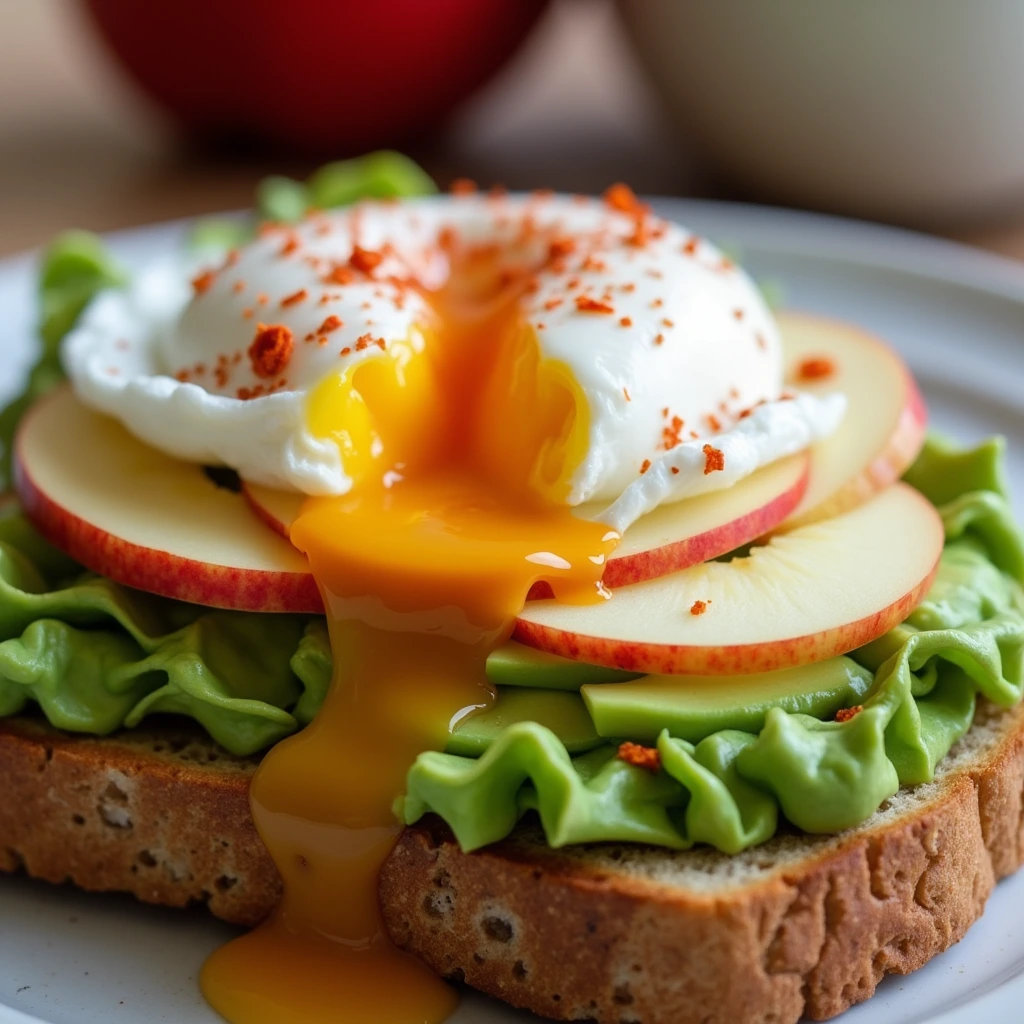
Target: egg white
point(688, 338)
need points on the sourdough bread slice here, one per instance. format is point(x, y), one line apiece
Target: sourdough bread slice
point(612, 933)
point(162, 813)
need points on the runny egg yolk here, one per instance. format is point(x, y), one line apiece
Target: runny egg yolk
point(461, 444)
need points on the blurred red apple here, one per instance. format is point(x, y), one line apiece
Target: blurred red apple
point(330, 76)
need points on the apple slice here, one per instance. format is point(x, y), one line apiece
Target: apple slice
point(670, 538)
point(885, 422)
point(149, 521)
point(819, 591)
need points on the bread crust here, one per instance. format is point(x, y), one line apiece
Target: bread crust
point(799, 926)
point(617, 934)
point(159, 813)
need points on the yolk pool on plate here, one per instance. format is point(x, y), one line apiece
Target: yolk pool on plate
point(461, 442)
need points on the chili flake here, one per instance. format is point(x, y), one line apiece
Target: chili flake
point(626, 321)
point(332, 323)
point(714, 459)
point(640, 756)
point(338, 274)
point(365, 260)
point(699, 607)
point(271, 350)
point(644, 466)
point(585, 304)
point(295, 298)
point(845, 714)
point(816, 368)
point(201, 282)
point(561, 247)
point(622, 198)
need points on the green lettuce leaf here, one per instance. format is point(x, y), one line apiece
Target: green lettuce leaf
point(97, 657)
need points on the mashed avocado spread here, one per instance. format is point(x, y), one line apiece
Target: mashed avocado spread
point(97, 657)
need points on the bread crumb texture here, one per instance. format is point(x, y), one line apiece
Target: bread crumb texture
point(160, 814)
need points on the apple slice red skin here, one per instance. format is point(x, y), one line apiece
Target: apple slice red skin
point(659, 561)
point(155, 571)
point(736, 659)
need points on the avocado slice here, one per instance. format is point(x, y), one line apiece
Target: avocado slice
point(515, 664)
point(564, 714)
point(692, 707)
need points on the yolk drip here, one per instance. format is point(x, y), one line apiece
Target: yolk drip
point(461, 445)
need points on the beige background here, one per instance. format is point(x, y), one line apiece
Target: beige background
point(79, 147)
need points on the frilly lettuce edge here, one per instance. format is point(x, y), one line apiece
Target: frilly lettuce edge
point(729, 789)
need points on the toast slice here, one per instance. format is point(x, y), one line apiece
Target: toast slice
point(612, 933)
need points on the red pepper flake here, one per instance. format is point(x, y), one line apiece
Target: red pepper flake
point(714, 459)
point(816, 368)
point(626, 321)
point(593, 264)
point(657, 303)
point(675, 470)
point(345, 351)
point(644, 466)
point(641, 232)
point(332, 323)
point(585, 304)
point(232, 257)
point(238, 287)
point(182, 376)
point(463, 187)
point(572, 283)
point(622, 198)
point(699, 607)
point(366, 261)
point(640, 756)
point(201, 282)
point(671, 434)
point(713, 422)
point(262, 299)
point(625, 392)
point(690, 246)
point(338, 274)
point(247, 314)
point(659, 339)
point(845, 714)
point(271, 350)
point(628, 288)
point(295, 298)
point(668, 323)
point(366, 340)
point(761, 342)
point(290, 246)
point(559, 248)
point(739, 314)
point(541, 327)
point(553, 303)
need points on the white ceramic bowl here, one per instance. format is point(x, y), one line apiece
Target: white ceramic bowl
point(907, 109)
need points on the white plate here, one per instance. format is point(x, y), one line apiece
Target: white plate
point(958, 317)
